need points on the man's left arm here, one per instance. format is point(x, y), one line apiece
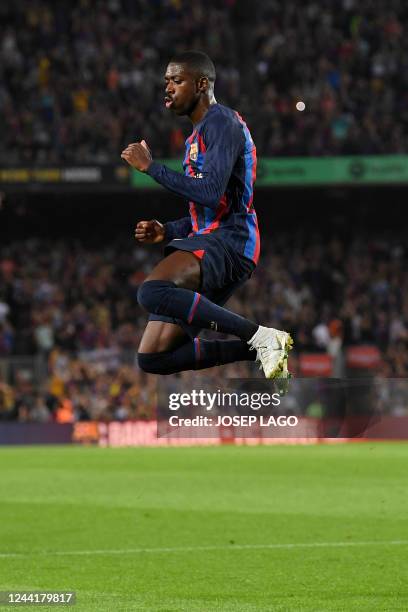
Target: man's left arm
point(180, 228)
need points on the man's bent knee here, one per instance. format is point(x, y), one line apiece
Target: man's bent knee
point(156, 363)
point(152, 294)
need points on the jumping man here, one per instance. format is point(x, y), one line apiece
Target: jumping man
point(215, 249)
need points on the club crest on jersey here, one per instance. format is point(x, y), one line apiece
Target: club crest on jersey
point(194, 151)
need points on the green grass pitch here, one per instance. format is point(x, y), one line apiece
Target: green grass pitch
point(208, 529)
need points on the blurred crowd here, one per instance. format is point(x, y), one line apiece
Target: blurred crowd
point(76, 310)
point(79, 80)
point(76, 390)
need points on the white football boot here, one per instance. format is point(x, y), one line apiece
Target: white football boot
point(272, 347)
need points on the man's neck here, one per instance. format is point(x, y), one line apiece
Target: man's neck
point(201, 109)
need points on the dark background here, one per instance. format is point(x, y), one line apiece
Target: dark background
point(93, 217)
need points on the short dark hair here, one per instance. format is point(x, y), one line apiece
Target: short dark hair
point(198, 61)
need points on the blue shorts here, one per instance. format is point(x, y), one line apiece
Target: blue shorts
point(222, 272)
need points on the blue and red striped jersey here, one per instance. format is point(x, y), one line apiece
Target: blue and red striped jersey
point(218, 181)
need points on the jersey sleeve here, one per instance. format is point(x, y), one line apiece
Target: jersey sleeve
point(224, 140)
point(177, 229)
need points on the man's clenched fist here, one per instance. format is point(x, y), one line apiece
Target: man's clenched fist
point(138, 156)
point(149, 231)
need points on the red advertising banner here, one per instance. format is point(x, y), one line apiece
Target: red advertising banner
point(144, 433)
point(315, 364)
point(312, 431)
point(365, 357)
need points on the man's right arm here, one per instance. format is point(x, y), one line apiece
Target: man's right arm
point(180, 228)
point(224, 140)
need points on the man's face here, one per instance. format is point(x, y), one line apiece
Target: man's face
point(182, 93)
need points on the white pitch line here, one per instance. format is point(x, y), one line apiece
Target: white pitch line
point(231, 547)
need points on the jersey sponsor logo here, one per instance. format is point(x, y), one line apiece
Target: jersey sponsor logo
point(194, 151)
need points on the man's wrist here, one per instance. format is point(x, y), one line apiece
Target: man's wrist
point(168, 237)
point(153, 169)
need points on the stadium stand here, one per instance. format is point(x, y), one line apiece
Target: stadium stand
point(76, 309)
point(81, 80)
point(79, 83)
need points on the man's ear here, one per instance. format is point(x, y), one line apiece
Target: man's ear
point(203, 84)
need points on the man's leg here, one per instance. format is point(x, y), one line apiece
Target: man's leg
point(166, 349)
point(172, 290)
